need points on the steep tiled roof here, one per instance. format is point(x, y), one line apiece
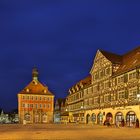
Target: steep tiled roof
point(35, 87)
point(114, 58)
point(85, 82)
point(130, 61)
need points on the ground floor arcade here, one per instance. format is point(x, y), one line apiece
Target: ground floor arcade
point(122, 116)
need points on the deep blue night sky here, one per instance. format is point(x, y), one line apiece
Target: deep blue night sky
point(60, 38)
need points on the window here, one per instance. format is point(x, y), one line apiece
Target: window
point(27, 97)
point(23, 97)
point(132, 75)
point(101, 99)
point(36, 97)
point(106, 84)
point(107, 71)
point(49, 106)
point(95, 88)
point(90, 101)
point(101, 74)
point(121, 79)
point(112, 97)
point(106, 98)
point(27, 90)
point(85, 91)
point(44, 105)
point(96, 76)
point(36, 105)
point(32, 98)
point(133, 93)
point(40, 98)
point(90, 90)
point(96, 100)
point(121, 94)
point(40, 105)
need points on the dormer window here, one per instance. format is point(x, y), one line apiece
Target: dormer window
point(27, 90)
point(35, 82)
point(45, 91)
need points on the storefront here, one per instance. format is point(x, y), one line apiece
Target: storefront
point(109, 117)
point(100, 118)
point(119, 118)
point(131, 119)
point(93, 118)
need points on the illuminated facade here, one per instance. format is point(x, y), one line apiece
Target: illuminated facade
point(75, 100)
point(35, 102)
point(114, 92)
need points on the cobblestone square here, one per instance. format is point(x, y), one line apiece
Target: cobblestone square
point(67, 132)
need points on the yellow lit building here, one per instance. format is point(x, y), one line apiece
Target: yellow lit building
point(114, 92)
point(35, 102)
point(75, 100)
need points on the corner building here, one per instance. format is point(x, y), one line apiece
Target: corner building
point(114, 92)
point(35, 102)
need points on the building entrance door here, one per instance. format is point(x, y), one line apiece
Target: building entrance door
point(109, 117)
point(36, 118)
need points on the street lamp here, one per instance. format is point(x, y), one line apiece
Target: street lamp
point(138, 97)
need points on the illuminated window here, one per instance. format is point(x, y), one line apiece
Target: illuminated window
point(36, 106)
point(45, 91)
point(36, 97)
point(40, 105)
point(32, 98)
point(96, 100)
point(27, 90)
point(44, 105)
point(133, 93)
point(132, 75)
point(121, 94)
point(121, 79)
point(27, 97)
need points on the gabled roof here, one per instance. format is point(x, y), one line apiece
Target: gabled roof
point(85, 82)
point(130, 61)
point(114, 58)
point(35, 87)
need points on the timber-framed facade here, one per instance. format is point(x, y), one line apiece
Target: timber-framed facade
point(114, 91)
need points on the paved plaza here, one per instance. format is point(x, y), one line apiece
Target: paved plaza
point(67, 132)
